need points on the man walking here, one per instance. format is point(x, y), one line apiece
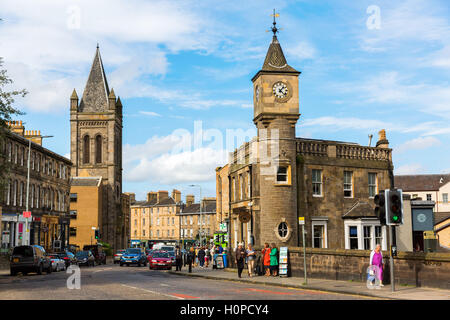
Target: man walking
point(201, 257)
point(240, 256)
point(178, 259)
point(190, 259)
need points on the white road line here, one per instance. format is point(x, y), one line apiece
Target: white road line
point(154, 292)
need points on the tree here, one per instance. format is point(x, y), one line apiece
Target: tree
point(7, 110)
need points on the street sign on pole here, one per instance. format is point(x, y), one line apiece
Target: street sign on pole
point(304, 251)
point(301, 220)
point(27, 214)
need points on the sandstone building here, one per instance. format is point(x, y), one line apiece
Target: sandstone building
point(278, 177)
point(48, 198)
point(96, 147)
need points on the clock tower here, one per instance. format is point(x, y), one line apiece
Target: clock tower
point(276, 111)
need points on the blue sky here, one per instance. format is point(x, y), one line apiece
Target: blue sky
point(180, 64)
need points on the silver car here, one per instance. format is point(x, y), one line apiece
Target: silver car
point(58, 264)
point(118, 255)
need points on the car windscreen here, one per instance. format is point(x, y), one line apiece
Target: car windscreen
point(82, 254)
point(168, 248)
point(24, 251)
point(133, 251)
point(160, 255)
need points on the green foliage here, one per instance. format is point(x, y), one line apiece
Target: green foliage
point(300, 159)
point(107, 248)
point(7, 110)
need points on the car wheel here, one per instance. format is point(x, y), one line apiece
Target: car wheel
point(13, 272)
point(39, 269)
point(121, 264)
point(50, 269)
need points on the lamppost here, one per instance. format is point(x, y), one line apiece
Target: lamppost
point(27, 233)
point(201, 221)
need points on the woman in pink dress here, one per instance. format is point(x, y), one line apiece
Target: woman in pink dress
point(376, 259)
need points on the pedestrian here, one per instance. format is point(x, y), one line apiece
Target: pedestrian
point(251, 257)
point(201, 257)
point(207, 256)
point(274, 260)
point(266, 259)
point(376, 259)
point(196, 256)
point(190, 258)
point(240, 257)
point(178, 258)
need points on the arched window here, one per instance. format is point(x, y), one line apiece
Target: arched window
point(98, 149)
point(86, 149)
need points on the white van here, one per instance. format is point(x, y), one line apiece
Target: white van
point(164, 247)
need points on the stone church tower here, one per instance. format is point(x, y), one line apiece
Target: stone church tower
point(276, 111)
point(96, 145)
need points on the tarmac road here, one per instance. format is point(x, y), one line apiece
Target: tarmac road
point(112, 282)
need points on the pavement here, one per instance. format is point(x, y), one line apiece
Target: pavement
point(342, 287)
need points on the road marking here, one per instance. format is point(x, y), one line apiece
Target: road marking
point(101, 270)
point(184, 296)
point(154, 292)
point(164, 285)
point(268, 291)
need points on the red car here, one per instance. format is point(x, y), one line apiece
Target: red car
point(160, 260)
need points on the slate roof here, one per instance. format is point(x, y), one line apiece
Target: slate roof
point(96, 92)
point(86, 181)
point(441, 217)
point(361, 209)
point(195, 208)
point(421, 182)
point(275, 60)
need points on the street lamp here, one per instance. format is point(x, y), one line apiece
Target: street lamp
point(27, 233)
point(201, 221)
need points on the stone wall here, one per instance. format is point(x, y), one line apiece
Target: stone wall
point(410, 268)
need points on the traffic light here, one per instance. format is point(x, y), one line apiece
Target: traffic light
point(380, 207)
point(97, 234)
point(394, 207)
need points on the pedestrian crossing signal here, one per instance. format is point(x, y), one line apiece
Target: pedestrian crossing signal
point(380, 207)
point(394, 207)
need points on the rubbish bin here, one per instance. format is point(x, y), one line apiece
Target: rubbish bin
point(225, 262)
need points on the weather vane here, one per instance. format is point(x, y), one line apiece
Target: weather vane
point(274, 28)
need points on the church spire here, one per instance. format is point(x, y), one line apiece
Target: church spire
point(275, 60)
point(96, 92)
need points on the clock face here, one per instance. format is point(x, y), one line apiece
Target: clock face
point(280, 90)
point(257, 93)
point(421, 218)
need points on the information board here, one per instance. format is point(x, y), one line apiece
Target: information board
point(283, 263)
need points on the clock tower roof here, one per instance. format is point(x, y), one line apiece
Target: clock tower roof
point(275, 60)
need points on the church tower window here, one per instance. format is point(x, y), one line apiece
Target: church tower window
point(86, 149)
point(98, 149)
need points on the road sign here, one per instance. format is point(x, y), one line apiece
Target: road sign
point(27, 214)
point(301, 220)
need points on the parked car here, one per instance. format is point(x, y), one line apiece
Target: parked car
point(29, 259)
point(117, 255)
point(68, 257)
point(97, 251)
point(85, 258)
point(133, 256)
point(58, 264)
point(172, 256)
point(160, 260)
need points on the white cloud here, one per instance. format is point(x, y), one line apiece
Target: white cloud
point(407, 21)
point(417, 144)
point(303, 50)
point(150, 113)
point(414, 168)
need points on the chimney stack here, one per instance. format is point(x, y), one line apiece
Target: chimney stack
point(190, 200)
point(151, 196)
point(382, 141)
point(176, 195)
point(162, 195)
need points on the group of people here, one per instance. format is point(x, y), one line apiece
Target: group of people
point(269, 256)
point(196, 256)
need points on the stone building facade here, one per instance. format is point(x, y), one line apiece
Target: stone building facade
point(277, 177)
point(96, 145)
point(48, 199)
